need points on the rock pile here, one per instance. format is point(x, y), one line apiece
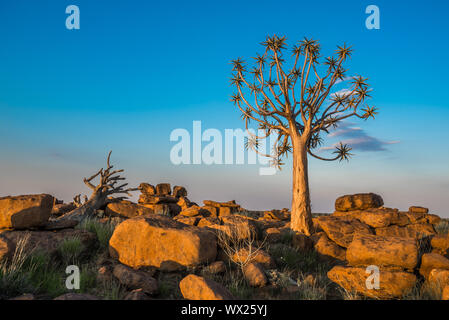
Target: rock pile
point(362, 233)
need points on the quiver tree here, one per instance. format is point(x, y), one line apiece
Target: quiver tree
point(102, 193)
point(297, 104)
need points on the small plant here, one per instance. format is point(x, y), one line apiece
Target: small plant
point(442, 227)
point(424, 291)
point(103, 231)
point(70, 250)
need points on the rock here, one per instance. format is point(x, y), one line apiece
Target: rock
point(209, 211)
point(355, 214)
point(156, 199)
point(146, 188)
point(255, 275)
point(422, 229)
point(60, 209)
point(208, 221)
point(392, 284)
point(433, 219)
point(171, 266)
point(179, 191)
point(225, 211)
point(193, 211)
point(330, 249)
point(416, 209)
point(174, 209)
point(151, 240)
point(342, 230)
point(134, 279)
point(198, 288)
point(397, 231)
point(104, 274)
point(24, 212)
point(193, 221)
point(440, 243)
point(276, 215)
point(184, 203)
point(77, 296)
point(230, 204)
point(59, 224)
point(163, 189)
point(48, 241)
point(137, 294)
point(302, 242)
point(382, 251)
point(160, 208)
point(439, 277)
point(216, 267)
point(445, 295)
point(245, 255)
point(383, 217)
point(126, 209)
point(430, 261)
point(360, 201)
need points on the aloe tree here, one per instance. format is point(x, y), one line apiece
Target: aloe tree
point(295, 102)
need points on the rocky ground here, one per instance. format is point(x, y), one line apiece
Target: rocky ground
point(167, 247)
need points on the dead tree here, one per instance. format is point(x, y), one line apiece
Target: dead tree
point(298, 105)
point(102, 192)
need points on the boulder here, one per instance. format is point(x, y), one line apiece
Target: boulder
point(135, 279)
point(191, 212)
point(179, 191)
point(183, 202)
point(210, 211)
point(163, 189)
point(126, 209)
point(193, 221)
point(23, 212)
point(255, 275)
point(440, 243)
point(147, 188)
point(216, 267)
point(439, 277)
point(382, 251)
point(360, 201)
point(160, 208)
point(245, 255)
point(330, 249)
point(137, 294)
point(198, 288)
point(383, 217)
point(155, 199)
point(430, 261)
point(392, 284)
point(151, 240)
point(416, 209)
point(208, 221)
point(342, 230)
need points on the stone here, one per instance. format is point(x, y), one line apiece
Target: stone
point(135, 279)
point(422, 229)
point(416, 209)
point(163, 189)
point(439, 277)
point(193, 211)
point(77, 296)
point(137, 294)
point(382, 251)
point(198, 288)
point(193, 221)
point(341, 230)
point(216, 267)
point(245, 255)
point(380, 218)
point(255, 275)
point(183, 202)
point(151, 240)
point(24, 212)
point(430, 261)
point(330, 249)
point(104, 274)
point(179, 191)
point(440, 243)
point(397, 231)
point(62, 208)
point(276, 215)
point(160, 208)
point(126, 209)
point(208, 221)
point(225, 211)
point(27, 297)
point(433, 219)
point(360, 201)
point(155, 199)
point(147, 188)
point(392, 284)
point(209, 211)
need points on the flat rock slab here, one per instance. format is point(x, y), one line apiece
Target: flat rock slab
point(382, 251)
point(155, 239)
point(342, 230)
point(198, 288)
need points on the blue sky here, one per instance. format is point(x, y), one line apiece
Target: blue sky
point(136, 70)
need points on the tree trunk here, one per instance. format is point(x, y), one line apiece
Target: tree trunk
point(301, 213)
point(95, 202)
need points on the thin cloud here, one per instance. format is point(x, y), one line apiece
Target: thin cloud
point(357, 139)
